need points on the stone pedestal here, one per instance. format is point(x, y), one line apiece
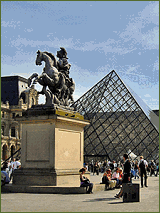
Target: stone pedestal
point(52, 148)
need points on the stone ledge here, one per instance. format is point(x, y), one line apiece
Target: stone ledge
point(98, 187)
point(42, 189)
point(11, 188)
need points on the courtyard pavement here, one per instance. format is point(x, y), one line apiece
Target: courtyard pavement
point(100, 201)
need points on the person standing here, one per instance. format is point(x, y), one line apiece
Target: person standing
point(96, 168)
point(104, 166)
point(111, 166)
point(115, 164)
point(157, 169)
point(153, 168)
point(126, 174)
point(13, 167)
point(142, 166)
point(136, 170)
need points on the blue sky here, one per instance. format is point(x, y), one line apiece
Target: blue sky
point(99, 36)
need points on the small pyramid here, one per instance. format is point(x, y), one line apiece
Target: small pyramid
point(119, 121)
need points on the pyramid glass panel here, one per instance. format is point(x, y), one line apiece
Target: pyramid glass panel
point(119, 122)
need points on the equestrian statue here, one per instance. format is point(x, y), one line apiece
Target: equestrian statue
point(58, 87)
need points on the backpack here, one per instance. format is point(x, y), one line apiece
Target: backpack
point(142, 165)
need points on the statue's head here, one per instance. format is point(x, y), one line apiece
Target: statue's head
point(39, 58)
point(62, 53)
point(38, 52)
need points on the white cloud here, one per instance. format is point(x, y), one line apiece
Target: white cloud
point(132, 69)
point(147, 96)
point(76, 97)
point(19, 57)
point(156, 65)
point(109, 46)
point(150, 40)
point(150, 14)
point(13, 24)
point(133, 31)
point(19, 42)
point(28, 30)
point(153, 104)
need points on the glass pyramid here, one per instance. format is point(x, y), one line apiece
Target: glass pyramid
point(119, 122)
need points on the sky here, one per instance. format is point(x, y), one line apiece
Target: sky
point(99, 36)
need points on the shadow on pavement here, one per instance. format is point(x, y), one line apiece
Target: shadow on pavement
point(117, 202)
point(99, 199)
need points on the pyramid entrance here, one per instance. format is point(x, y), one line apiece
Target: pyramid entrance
point(119, 121)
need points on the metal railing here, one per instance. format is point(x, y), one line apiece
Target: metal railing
point(14, 154)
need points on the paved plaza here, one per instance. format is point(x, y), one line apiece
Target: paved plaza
point(100, 201)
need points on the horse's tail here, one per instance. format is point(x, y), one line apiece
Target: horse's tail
point(53, 58)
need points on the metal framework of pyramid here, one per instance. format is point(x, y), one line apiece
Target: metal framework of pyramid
point(118, 122)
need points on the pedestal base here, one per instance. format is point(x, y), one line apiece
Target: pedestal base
point(52, 148)
point(46, 177)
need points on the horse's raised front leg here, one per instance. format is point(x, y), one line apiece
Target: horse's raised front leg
point(49, 81)
point(34, 75)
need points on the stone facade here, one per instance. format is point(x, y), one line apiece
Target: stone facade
point(11, 131)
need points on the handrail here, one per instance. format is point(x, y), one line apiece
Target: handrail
point(11, 156)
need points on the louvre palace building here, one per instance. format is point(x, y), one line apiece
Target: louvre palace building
point(119, 120)
point(16, 97)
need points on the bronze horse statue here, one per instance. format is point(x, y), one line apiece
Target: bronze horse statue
point(60, 87)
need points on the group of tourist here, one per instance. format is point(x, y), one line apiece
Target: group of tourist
point(115, 174)
point(152, 168)
point(101, 166)
point(8, 169)
point(113, 180)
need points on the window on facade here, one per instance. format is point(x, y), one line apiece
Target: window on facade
point(32, 101)
point(2, 129)
point(23, 96)
point(2, 114)
point(13, 132)
point(13, 115)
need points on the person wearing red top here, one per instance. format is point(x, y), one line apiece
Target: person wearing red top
point(108, 175)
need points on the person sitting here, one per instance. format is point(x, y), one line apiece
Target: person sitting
point(115, 176)
point(107, 179)
point(4, 176)
point(85, 181)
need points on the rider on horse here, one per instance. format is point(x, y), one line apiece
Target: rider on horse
point(63, 65)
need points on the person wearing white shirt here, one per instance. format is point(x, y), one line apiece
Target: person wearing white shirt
point(115, 164)
point(9, 168)
point(115, 176)
point(13, 167)
point(19, 164)
point(14, 164)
